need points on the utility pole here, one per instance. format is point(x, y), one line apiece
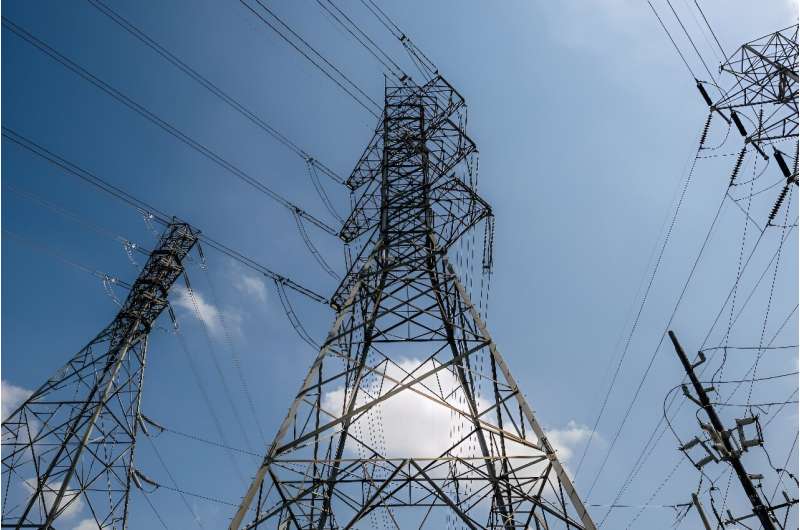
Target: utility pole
point(69, 448)
point(408, 345)
point(731, 453)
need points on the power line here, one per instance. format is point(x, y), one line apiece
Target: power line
point(691, 40)
point(204, 440)
point(207, 401)
point(131, 28)
point(305, 54)
point(655, 436)
point(153, 118)
point(652, 359)
point(145, 208)
point(680, 53)
point(235, 357)
point(202, 319)
point(106, 278)
point(709, 27)
point(72, 216)
point(391, 66)
point(423, 63)
point(635, 324)
point(175, 484)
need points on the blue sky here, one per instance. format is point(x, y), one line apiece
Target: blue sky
point(585, 119)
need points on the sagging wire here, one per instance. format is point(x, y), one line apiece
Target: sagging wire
point(311, 248)
point(655, 492)
point(739, 271)
point(292, 316)
point(204, 392)
point(326, 200)
point(770, 300)
point(634, 325)
point(212, 353)
point(140, 479)
point(655, 436)
point(145, 420)
point(175, 484)
point(235, 357)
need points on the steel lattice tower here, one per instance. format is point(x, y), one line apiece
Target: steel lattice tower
point(70, 446)
point(406, 328)
point(763, 90)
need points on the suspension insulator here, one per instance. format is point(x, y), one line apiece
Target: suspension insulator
point(739, 124)
point(782, 164)
point(738, 165)
point(778, 203)
point(705, 95)
point(706, 127)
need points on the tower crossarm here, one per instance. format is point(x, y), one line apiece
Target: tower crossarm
point(763, 87)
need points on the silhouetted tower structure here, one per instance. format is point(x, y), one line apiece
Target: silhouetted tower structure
point(407, 345)
point(761, 102)
point(70, 446)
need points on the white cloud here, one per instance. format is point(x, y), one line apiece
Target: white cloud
point(51, 490)
point(566, 440)
point(11, 397)
point(251, 286)
point(431, 433)
point(87, 524)
point(413, 425)
point(208, 313)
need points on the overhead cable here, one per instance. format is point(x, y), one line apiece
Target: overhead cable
point(212, 87)
point(370, 105)
point(158, 215)
point(150, 116)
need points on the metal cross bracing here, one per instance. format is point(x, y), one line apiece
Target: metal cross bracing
point(70, 446)
point(762, 104)
point(762, 98)
point(407, 339)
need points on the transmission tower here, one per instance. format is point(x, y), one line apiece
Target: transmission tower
point(761, 101)
point(408, 340)
point(764, 88)
point(70, 446)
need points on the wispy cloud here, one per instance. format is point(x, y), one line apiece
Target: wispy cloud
point(208, 313)
point(11, 397)
point(250, 285)
point(566, 440)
